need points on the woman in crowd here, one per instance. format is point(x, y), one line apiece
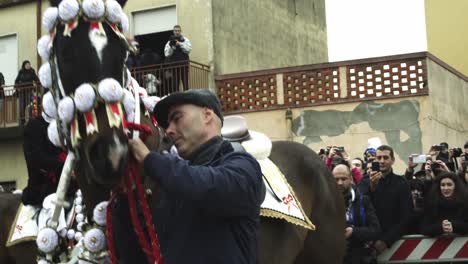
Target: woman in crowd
point(446, 210)
point(26, 77)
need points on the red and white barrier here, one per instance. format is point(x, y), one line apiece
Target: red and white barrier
point(420, 249)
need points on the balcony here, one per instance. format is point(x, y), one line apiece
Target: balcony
point(329, 83)
point(160, 80)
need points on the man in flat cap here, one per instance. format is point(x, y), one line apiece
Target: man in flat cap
point(210, 208)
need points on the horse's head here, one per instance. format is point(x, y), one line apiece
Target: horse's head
point(89, 85)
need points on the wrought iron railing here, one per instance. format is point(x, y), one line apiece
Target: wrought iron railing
point(16, 102)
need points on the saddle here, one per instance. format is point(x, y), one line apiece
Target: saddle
point(30, 219)
point(280, 201)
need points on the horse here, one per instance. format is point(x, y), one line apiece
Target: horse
point(103, 156)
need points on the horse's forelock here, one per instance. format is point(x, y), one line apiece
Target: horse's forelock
point(55, 3)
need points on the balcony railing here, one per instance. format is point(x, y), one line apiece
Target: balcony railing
point(328, 83)
point(15, 103)
point(166, 78)
point(160, 80)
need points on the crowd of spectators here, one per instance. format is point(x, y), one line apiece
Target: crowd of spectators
point(429, 198)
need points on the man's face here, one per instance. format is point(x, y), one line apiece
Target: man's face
point(357, 163)
point(177, 31)
point(385, 160)
point(343, 180)
point(186, 128)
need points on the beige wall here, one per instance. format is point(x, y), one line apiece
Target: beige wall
point(353, 138)
point(449, 106)
point(446, 26)
point(255, 35)
point(21, 20)
point(12, 164)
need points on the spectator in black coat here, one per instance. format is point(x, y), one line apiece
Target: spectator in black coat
point(447, 207)
point(43, 160)
point(391, 197)
point(24, 82)
point(362, 223)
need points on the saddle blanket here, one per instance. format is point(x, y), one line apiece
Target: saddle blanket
point(280, 201)
point(29, 220)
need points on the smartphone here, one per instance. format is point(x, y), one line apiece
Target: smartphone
point(375, 166)
point(419, 159)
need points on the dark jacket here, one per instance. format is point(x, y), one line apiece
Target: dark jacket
point(2, 80)
point(209, 212)
point(455, 212)
point(362, 218)
point(43, 160)
point(26, 76)
point(393, 203)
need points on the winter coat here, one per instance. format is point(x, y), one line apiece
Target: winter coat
point(210, 207)
point(453, 211)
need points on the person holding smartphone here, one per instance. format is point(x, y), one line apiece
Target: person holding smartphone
point(391, 197)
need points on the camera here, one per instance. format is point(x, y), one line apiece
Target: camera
point(457, 152)
point(438, 147)
point(375, 166)
point(173, 39)
point(339, 149)
point(434, 166)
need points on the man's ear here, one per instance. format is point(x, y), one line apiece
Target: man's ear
point(208, 114)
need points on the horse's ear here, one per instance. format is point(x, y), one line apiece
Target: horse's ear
point(122, 2)
point(54, 3)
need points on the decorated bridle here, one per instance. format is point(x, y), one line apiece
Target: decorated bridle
point(61, 110)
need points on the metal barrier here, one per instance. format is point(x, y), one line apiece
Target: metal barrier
point(15, 101)
point(163, 79)
point(421, 249)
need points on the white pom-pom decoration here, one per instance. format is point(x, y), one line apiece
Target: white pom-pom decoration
point(129, 105)
point(99, 213)
point(66, 109)
point(63, 232)
point(53, 134)
point(79, 218)
point(48, 105)
point(71, 234)
point(49, 18)
point(78, 236)
point(124, 22)
point(94, 9)
point(114, 11)
point(45, 75)
point(82, 261)
point(78, 200)
point(43, 261)
point(68, 10)
point(78, 193)
point(80, 226)
point(150, 102)
point(43, 47)
point(85, 98)
point(78, 209)
point(47, 240)
point(95, 240)
point(110, 90)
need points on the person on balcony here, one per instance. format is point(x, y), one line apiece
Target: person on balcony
point(177, 52)
point(446, 212)
point(24, 82)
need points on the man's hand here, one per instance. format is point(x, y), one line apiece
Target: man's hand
point(374, 179)
point(447, 226)
point(348, 232)
point(380, 246)
point(442, 165)
point(139, 149)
